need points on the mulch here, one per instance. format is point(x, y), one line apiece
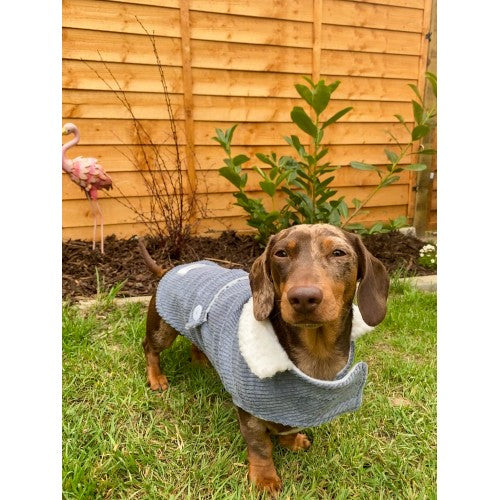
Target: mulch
point(84, 269)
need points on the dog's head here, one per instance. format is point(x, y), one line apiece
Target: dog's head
point(311, 271)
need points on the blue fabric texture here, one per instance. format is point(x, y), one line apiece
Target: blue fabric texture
point(203, 302)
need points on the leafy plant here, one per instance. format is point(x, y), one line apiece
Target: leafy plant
point(424, 120)
point(428, 256)
point(380, 227)
point(314, 199)
point(306, 182)
point(282, 171)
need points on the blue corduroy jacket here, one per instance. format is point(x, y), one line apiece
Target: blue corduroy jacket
point(212, 307)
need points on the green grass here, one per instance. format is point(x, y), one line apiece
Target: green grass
point(120, 440)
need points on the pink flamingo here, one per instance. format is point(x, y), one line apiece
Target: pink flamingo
point(88, 174)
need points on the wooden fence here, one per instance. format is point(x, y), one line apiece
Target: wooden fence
point(236, 61)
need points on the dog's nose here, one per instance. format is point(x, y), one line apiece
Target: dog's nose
point(304, 299)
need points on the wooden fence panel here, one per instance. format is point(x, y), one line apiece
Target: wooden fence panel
point(227, 62)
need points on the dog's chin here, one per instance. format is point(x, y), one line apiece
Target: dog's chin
point(309, 323)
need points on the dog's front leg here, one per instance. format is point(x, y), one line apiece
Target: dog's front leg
point(261, 468)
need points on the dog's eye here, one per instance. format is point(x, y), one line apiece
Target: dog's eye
point(338, 253)
point(281, 253)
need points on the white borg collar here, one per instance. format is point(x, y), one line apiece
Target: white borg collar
point(261, 349)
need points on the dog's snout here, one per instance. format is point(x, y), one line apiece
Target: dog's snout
point(304, 299)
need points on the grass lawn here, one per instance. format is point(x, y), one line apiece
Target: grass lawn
point(120, 440)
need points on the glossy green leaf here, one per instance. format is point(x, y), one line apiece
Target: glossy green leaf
point(417, 167)
point(376, 228)
point(322, 154)
point(294, 141)
point(260, 172)
point(362, 166)
point(419, 131)
point(308, 80)
point(432, 79)
point(333, 86)
point(343, 208)
point(415, 89)
point(320, 98)
point(418, 111)
point(324, 183)
point(264, 159)
point(389, 180)
point(336, 117)
point(240, 159)
point(230, 132)
point(400, 119)
point(305, 93)
point(302, 120)
point(268, 187)
point(230, 174)
point(391, 156)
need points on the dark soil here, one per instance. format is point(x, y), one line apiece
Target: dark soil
point(122, 262)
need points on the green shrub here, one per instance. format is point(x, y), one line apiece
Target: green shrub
point(307, 181)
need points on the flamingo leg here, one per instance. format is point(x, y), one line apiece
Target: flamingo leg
point(102, 225)
point(95, 211)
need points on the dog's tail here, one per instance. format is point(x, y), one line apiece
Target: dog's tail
point(152, 265)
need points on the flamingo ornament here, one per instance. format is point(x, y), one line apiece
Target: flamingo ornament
point(88, 174)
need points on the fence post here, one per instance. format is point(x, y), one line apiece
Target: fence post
point(187, 80)
point(425, 178)
point(316, 49)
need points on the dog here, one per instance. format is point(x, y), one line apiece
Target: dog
point(296, 320)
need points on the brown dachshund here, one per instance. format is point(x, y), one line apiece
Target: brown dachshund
point(304, 283)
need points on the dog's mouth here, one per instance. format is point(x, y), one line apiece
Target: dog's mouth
point(306, 325)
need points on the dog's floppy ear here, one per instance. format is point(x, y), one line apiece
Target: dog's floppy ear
point(373, 284)
point(262, 286)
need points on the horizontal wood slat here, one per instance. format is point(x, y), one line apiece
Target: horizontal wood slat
point(101, 15)
point(145, 78)
point(371, 65)
point(370, 40)
point(89, 104)
point(262, 134)
point(415, 4)
point(291, 10)
point(118, 47)
point(243, 29)
point(368, 15)
point(158, 3)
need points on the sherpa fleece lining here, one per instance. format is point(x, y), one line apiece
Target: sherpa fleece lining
point(260, 346)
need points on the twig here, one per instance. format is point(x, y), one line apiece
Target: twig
point(224, 261)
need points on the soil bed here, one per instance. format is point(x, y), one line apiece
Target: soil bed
point(122, 262)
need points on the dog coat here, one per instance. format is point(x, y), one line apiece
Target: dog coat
point(212, 307)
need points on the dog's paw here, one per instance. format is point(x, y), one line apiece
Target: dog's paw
point(158, 383)
point(266, 481)
point(295, 442)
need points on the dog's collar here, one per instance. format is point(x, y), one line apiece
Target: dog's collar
point(261, 349)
